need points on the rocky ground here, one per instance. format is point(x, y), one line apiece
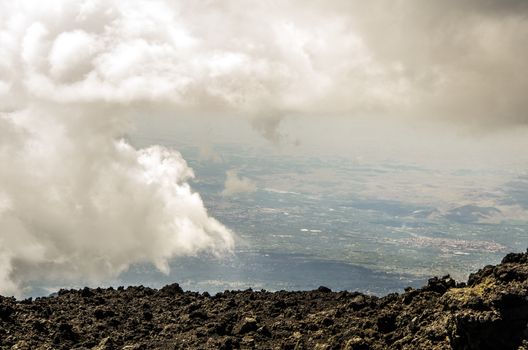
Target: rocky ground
point(489, 312)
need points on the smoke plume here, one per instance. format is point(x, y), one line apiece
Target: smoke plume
point(77, 202)
point(236, 184)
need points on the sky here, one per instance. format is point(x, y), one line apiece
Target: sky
point(427, 82)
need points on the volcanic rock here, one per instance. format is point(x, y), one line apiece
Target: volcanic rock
point(490, 311)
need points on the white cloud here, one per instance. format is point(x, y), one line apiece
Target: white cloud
point(78, 205)
point(71, 54)
point(235, 184)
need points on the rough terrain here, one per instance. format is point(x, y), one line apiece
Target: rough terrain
point(490, 311)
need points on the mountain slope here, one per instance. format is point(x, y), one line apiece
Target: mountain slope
point(490, 311)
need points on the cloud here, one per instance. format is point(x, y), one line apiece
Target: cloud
point(456, 61)
point(447, 60)
point(235, 184)
point(268, 127)
point(78, 205)
point(78, 201)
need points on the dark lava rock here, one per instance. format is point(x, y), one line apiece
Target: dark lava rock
point(86, 292)
point(66, 331)
point(101, 313)
point(515, 258)
point(489, 312)
point(171, 290)
point(5, 312)
point(248, 324)
point(264, 331)
point(386, 323)
point(324, 289)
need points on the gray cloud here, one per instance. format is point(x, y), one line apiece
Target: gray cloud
point(456, 60)
point(460, 61)
point(268, 126)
